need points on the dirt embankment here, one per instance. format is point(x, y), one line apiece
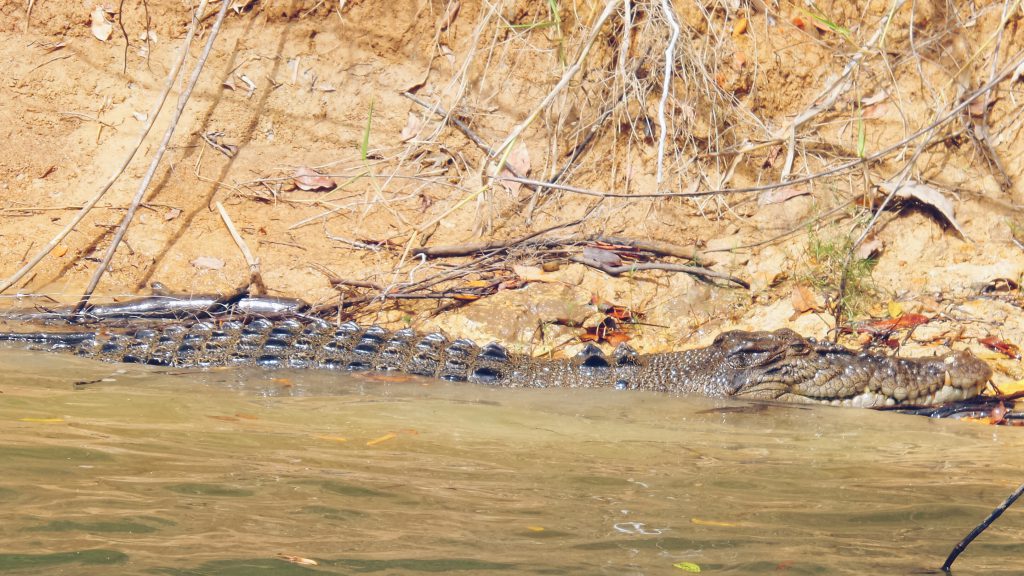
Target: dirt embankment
point(810, 116)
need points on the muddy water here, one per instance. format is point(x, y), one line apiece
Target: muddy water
point(249, 472)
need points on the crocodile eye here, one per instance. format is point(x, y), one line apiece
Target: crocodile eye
point(799, 348)
point(745, 357)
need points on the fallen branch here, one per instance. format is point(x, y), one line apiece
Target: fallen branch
point(455, 250)
point(962, 545)
point(628, 268)
point(255, 278)
point(654, 246)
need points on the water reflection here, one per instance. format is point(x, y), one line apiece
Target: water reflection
point(250, 472)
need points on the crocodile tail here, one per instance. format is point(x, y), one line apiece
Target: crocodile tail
point(288, 344)
point(55, 340)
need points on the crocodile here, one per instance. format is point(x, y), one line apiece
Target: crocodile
point(775, 365)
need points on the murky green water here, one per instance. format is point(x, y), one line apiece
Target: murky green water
point(224, 472)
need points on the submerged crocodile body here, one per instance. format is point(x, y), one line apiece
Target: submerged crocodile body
point(779, 365)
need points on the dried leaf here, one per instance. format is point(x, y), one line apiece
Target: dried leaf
point(617, 337)
point(739, 27)
point(804, 300)
point(876, 98)
point(208, 263)
point(606, 257)
point(875, 111)
point(903, 322)
point(384, 438)
point(620, 313)
point(60, 251)
point(412, 127)
point(298, 560)
point(926, 195)
point(312, 181)
point(977, 107)
point(687, 567)
point(777, 195)
point(869, 249)
point(1005, 348)
point(102, 27)
point(518, 160)
point(895, 309)
point(172, 214)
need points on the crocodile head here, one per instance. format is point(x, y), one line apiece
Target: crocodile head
point(782, 365)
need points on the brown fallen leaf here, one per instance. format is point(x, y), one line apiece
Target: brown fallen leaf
point(616, 337)
point(605, 331)
point(804, 300)
point(1005, 348)
point(903, 322)
point(869, 249)
point(777, 195)
point(412, 127)
point(925, 194)
point(518, 160)
point(310, 180)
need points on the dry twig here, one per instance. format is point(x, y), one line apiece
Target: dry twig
point(255, 278)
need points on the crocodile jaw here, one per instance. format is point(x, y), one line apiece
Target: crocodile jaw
point(840, 378)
